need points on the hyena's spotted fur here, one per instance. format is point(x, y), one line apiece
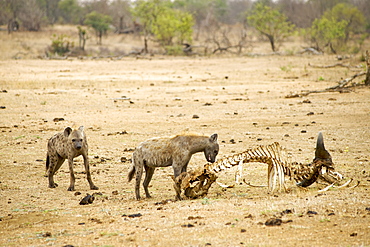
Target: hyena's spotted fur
point(67, 145)
point(169, 151)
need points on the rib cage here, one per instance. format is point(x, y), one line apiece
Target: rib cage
point(278, 166)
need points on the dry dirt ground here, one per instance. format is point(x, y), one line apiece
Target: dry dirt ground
point(122, 103)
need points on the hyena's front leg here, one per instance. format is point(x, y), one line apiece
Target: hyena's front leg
point(88, 175)
point(72, 174)
point(55, 163)
point(177, 169)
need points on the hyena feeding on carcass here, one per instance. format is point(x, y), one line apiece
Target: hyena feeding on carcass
point(169, 151)
point(67, 145)
point(196, 183)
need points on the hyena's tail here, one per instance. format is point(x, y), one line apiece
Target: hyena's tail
point(47, 162)
point(131, 173)
point(47, 165)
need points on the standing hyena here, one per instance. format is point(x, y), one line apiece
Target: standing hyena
point(167, 151)
point(67, 145)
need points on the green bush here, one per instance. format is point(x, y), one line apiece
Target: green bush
point(174, 50)
point(60, 45)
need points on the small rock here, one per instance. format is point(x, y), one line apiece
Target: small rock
point(195, 116)
point(187, 225)
point(194, 217)
point(132, 215)
point(249, 216)
point(57, 119)
point(287, 211)
point(273, 222)
point(96, 220)
point(45, 234)
point(309, 212)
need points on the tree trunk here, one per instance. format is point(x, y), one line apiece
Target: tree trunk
point(145, 44)
point(367, 59)
point(272, 42)
point(120, 24)
point(332, 48)
point(100, 35)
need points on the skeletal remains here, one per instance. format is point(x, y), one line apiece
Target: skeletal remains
point(196, 183)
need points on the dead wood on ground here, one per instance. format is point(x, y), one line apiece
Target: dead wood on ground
point(342, 85)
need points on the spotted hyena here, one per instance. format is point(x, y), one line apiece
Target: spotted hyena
point(169, 151)
point(67, 145)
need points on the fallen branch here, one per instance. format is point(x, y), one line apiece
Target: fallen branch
point(337, 88)
point(329, 66)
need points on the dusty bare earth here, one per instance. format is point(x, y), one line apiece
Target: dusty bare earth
point(122, 103)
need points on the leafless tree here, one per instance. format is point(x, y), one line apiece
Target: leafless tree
point(31, 15)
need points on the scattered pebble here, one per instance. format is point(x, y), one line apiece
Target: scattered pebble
point(309, 212)
point(273, 222)
point(58, 119)
point(187, 225)
point(132, 215)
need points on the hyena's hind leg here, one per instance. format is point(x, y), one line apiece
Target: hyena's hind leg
point(149, 171)
point(138, 175)
point(55, 162)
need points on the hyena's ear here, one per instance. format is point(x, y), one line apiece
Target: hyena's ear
point(81, 128)
point(67, 131)
point(213, 138)
point(321, 152)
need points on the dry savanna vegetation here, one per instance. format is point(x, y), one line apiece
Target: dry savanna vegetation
point(124, 101)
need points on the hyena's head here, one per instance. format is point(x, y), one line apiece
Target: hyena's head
point(75, 137)
point(212, 148)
